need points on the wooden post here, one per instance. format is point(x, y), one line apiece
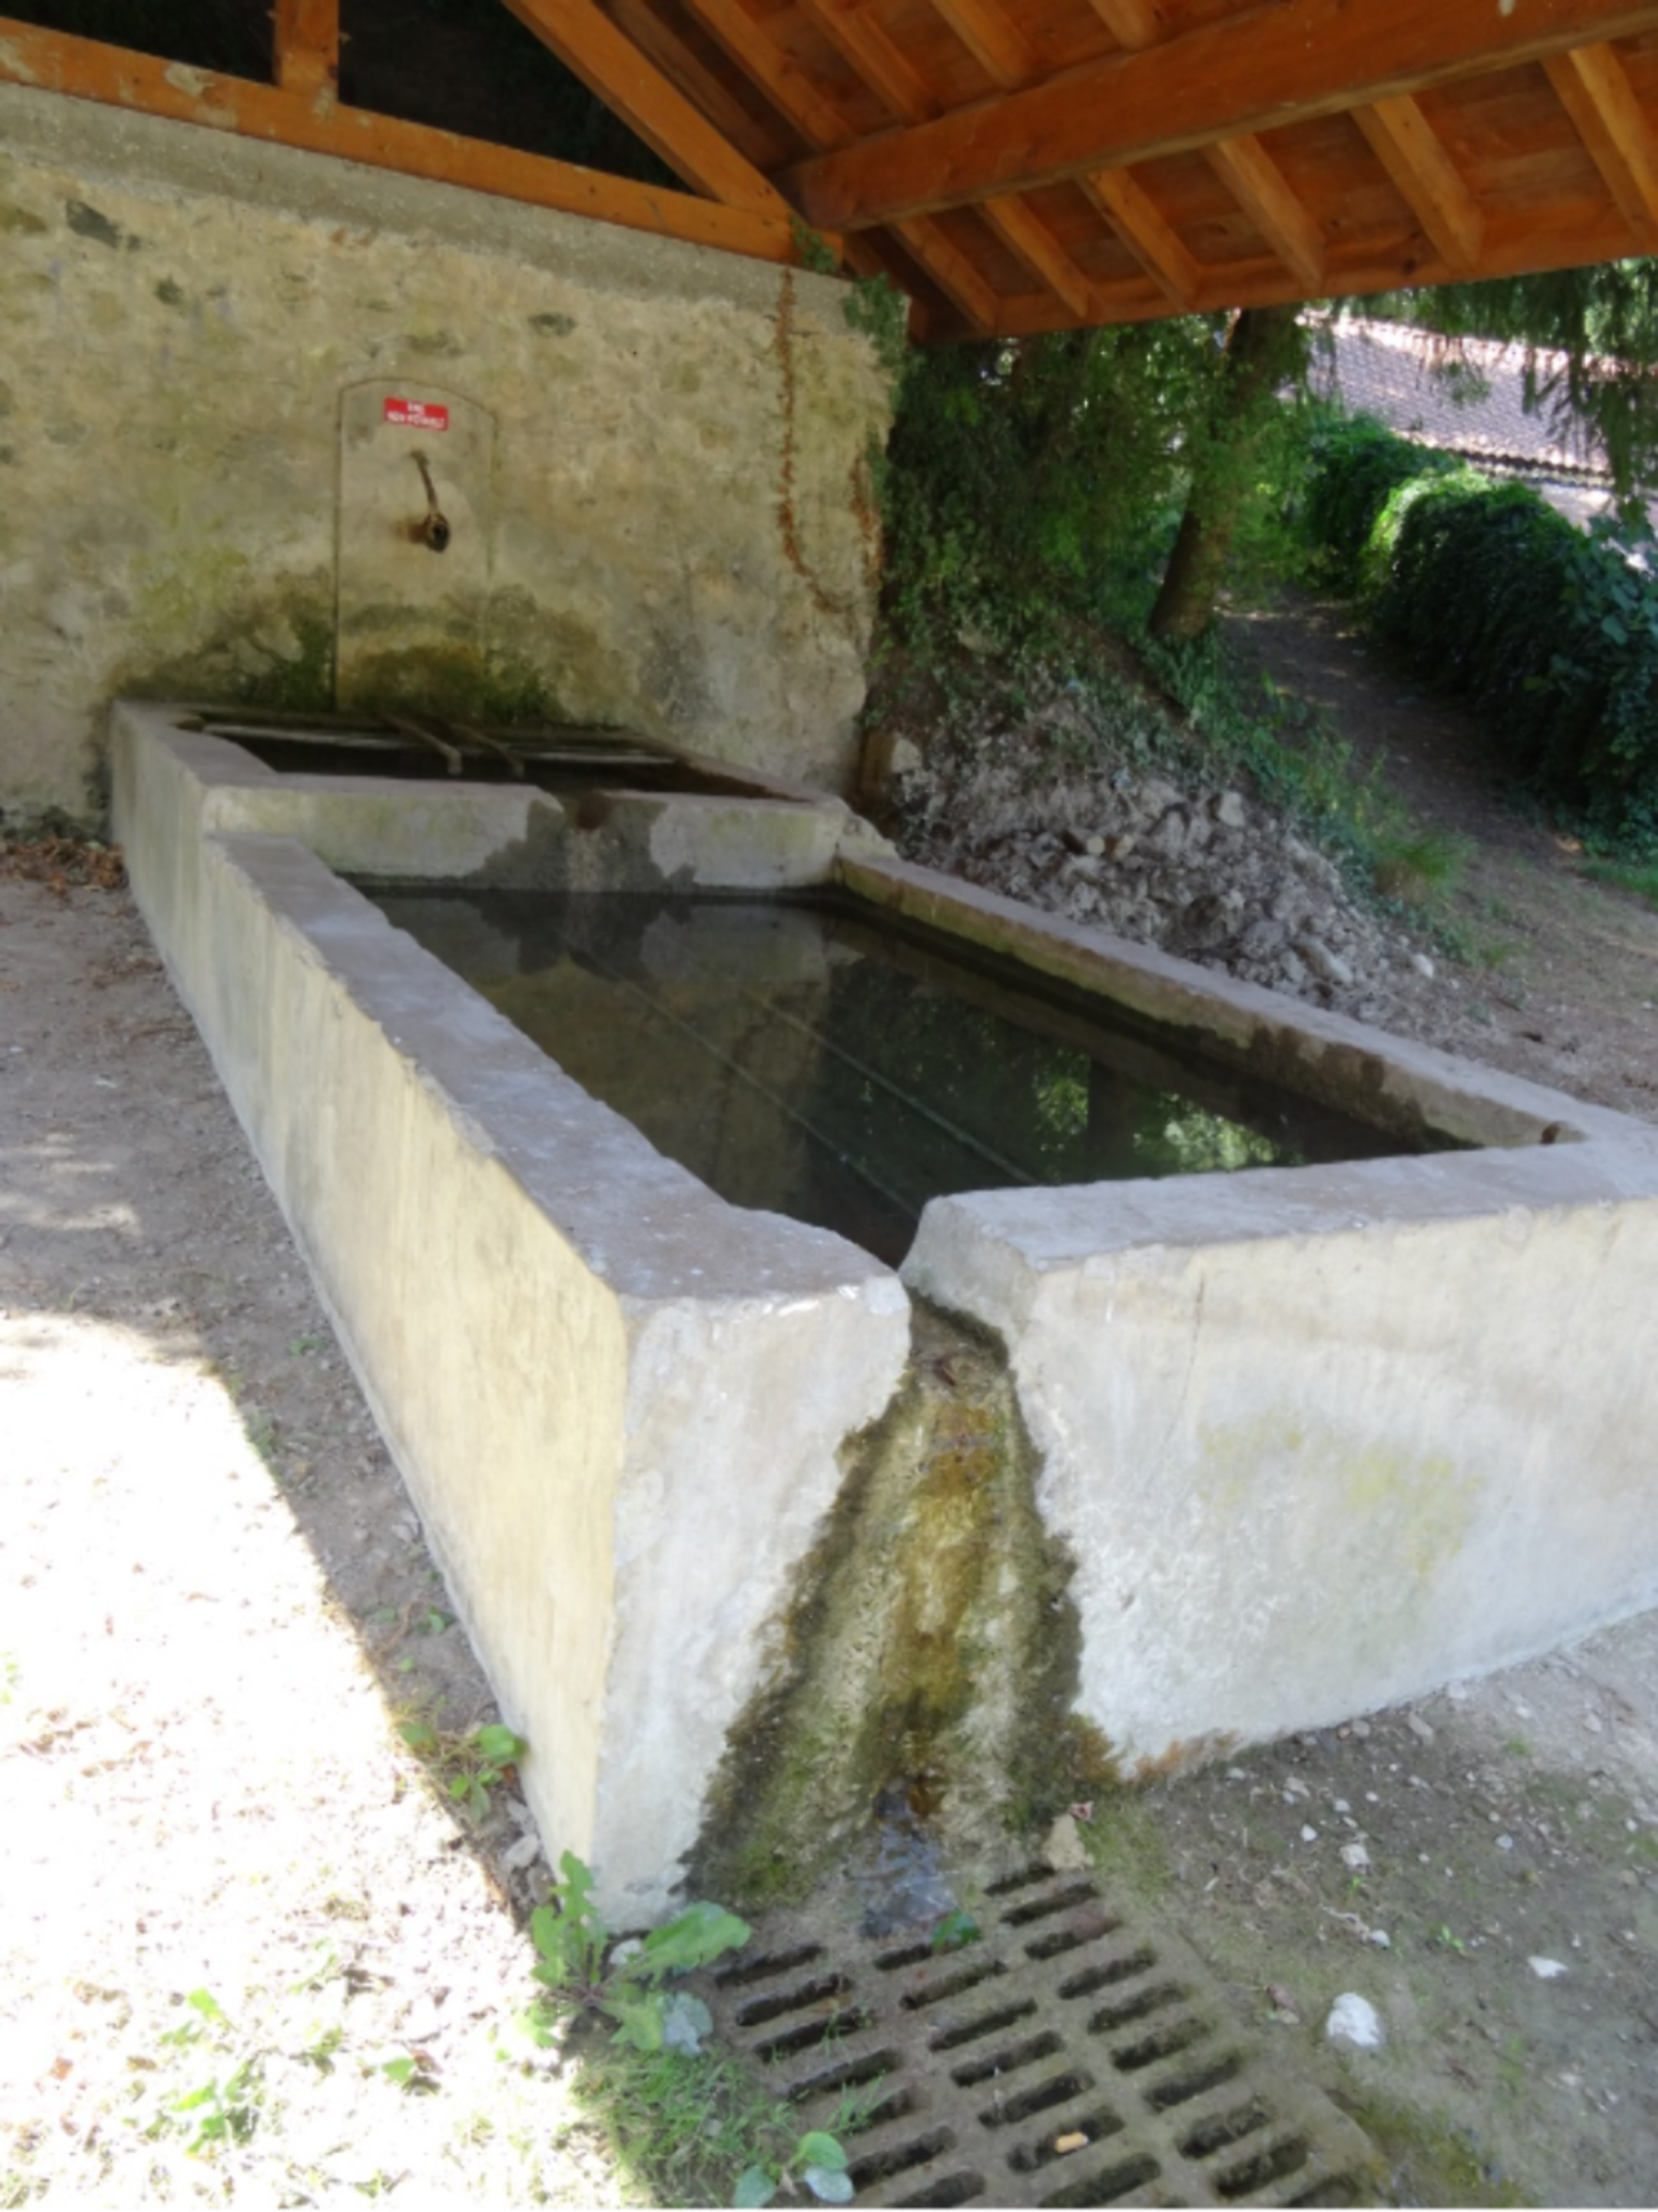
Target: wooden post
point(306, 58)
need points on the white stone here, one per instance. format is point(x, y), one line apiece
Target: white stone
point(1355, 2024)
point(1545, 1969)
point(1355, 1857)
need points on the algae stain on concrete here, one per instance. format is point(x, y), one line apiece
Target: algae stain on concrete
point(933, 1648)
point(1419, 1503)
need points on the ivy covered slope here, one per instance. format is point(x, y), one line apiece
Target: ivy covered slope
point(1551, 634)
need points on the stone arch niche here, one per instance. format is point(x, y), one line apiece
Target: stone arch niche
point(414, 550)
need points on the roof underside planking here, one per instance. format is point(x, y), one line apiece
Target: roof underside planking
point(1018, 168)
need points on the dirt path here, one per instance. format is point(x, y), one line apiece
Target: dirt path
point(1561, 979)
point(247, 1950)
point(217, 1605)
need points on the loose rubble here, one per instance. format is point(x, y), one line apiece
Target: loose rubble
point(1196, 868)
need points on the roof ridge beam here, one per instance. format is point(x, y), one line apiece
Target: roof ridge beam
point(1278, 63)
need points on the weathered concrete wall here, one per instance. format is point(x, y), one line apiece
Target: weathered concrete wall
point(618, 1403)
point(1315, 1465)
point(1315, 1439)
point(186, 314)
point(1320, 1439)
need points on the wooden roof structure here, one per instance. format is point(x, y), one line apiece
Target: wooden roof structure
point(1018, 165)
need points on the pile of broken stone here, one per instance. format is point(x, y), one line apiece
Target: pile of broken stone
point(1200, 870)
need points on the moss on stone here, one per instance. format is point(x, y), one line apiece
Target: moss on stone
point(932, 1649)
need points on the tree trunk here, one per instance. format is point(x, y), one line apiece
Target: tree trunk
point(1259, 349)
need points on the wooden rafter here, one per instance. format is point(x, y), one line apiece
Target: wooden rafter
point(1266, 68)
point(951, 271)
point(83, 69)
point(1132, 23)
point(1257, 184)
point(821, 124)
point(790, 90)
point(714, 100)
point(857, 34)
point(1139, 223)
point(1042, 253)
point(1402, 140)
point(1021, 169)
point(306, 49)
point(613, 67)
point(885, 71)
point(987, 35)
point(1595, 90)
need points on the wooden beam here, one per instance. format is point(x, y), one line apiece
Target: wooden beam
point(1132, 23)
point(1042, 253)
point(1402, 140)
point(83, 69)
point(752, 138)
point(790, 90)
point(1139, 223)
point(1513, 248)
point(615, 70)
point(1593, 88)
point(989, 35)
point(852, 27)
point(952, 273)
point(1257, 183)
point(305, 52)
point(792, 93)
point(1270, 66)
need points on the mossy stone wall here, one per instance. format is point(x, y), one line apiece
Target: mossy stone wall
point(681, 528)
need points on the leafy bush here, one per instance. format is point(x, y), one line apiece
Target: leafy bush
point(1030, 483)
point(1549, 633)
point(1354, 467)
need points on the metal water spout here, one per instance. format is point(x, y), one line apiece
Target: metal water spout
point(433, 528)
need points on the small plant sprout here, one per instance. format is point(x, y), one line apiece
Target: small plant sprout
point(954, 1931)
point(817, 2160)
point(471, 1765)
point(624, 1981)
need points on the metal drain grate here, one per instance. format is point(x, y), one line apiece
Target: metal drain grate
point(1067, 2057)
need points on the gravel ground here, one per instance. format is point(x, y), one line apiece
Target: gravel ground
point(250, 1948)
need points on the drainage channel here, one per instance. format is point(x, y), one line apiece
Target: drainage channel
point(1068, 2056)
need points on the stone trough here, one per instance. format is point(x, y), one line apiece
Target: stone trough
point(1305, 1440)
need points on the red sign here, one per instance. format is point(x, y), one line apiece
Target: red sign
point(417, 415)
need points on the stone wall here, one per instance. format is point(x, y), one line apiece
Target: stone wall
point(670, 526)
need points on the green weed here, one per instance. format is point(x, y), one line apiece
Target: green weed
point(684, 2116)
point(469, 1766)
point(1638, 878)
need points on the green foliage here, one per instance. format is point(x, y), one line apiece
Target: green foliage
point(580, 1965)
point(1031, 484)
point(1639, 878)
point(813, 249)
point(1549, 633)
point(819, 2160)
point(471, 1766)
point(1354, 466)
point(876, 306)
point(954, 1931)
